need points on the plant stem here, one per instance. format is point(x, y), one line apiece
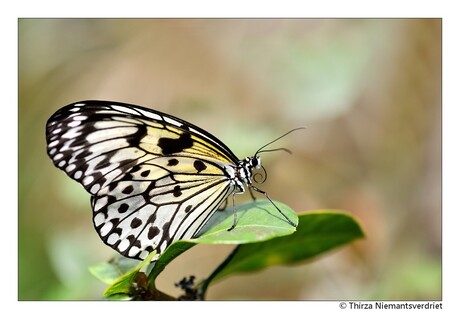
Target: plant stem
point(203, 285)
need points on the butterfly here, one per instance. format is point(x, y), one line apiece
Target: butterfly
point(153, 178)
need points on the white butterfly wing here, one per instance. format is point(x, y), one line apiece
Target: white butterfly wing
point(154, 178)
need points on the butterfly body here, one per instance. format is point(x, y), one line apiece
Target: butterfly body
point(154, 178)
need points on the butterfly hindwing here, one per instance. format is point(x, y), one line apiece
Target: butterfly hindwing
point(154, 178)
point(141, 212)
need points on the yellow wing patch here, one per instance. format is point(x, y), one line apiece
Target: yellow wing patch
point(165, 140)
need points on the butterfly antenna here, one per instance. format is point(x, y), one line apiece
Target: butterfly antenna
point(274, 150)
point(261, 150)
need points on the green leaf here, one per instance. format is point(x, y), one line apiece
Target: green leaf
point(119, 297)
point(256, 221)
point(123, 284)
point(317, 233)
point(109, 272)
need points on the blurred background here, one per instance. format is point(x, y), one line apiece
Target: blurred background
point(368, 90)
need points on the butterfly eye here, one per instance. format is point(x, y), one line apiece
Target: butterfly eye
point(256, 162)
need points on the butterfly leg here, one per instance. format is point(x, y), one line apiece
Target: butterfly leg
point(234, 213)
point(252, 194)
point(279, 210)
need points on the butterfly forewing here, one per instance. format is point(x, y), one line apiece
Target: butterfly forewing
point(154, 178)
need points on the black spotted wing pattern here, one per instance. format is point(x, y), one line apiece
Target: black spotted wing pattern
point(154, 178)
